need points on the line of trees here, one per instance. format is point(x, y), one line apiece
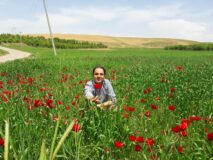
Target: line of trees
point(192, 47)
point(43, 42)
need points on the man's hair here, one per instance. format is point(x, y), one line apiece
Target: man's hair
point(98, 66)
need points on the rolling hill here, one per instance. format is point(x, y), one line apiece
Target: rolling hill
point(123, 42)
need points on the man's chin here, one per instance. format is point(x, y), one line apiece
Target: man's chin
point(99, 81)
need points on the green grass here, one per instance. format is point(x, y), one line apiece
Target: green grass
point(131, 71)
point(72, 53)
point(2, 52)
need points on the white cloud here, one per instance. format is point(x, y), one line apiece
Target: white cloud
point(57, 19)
point(23, 26)
point(178, 28)
point(121, 14)
point(166, 21)
point(151, 14)
point(93, 13)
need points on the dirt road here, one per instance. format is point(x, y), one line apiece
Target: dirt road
point(13, 54)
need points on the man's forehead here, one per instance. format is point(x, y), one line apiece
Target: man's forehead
point(99, 70)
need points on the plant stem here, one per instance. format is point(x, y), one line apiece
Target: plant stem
point(69, 128)
point(6, 147)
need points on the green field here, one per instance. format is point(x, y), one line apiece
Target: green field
point(38, 92)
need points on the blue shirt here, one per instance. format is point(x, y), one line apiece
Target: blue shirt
point(104, 94)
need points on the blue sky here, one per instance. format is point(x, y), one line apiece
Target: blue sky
point(181, 19)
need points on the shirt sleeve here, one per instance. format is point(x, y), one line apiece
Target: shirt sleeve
point(111, 92)
point(88, 90)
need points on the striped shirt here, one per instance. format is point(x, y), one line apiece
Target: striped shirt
point(105, 93)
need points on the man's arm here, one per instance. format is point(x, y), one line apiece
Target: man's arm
point(88, 93)
point(111, 93)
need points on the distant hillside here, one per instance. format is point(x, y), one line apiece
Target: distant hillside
point(123, 42)
point(41, 41)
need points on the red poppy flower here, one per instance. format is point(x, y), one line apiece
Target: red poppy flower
point(149, 89)
point(126, 115)
point(26, 99)
point(29, 108)
point(1, 142)
point(145, 91)
point(210, 136)
point(37, 103)
point(207, 119)
point(185, 121)
point(139, 139)
point(49, 103)
point(194, 118)
point(6, 92)
point(183, 133)
point(80, 82)
point(118, 144)
point(180, 149)
point(183, 126)
point(73, 102)
point(179, 68)
point(5, 99)
point(172, 89)
point(170, 95)
point(76, 127)
point(10, 82)
point(59, 102)
point(171, 108)
point(67, 108)
point(163, 79)
point(153, 106)
point(42, 89)
point(77, 96)
point(30, 80)
point(132, 138)
point(1, 84)
point(150, 142)
point(97, 86)
point(157, 98)
point(142, 100)
point(130, 109)
point(147, 113)
point(176, 129)
point(137, 148)
point(124, 107)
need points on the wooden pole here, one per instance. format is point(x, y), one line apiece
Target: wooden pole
point(51, 35)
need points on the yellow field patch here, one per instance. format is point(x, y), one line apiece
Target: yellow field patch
point(123, 42)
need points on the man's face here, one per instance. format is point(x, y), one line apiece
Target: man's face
point(98, 75)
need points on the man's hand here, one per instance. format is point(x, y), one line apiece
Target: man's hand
point(95, 99)
point(107, 104)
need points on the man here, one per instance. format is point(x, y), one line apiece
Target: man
point(99, 90)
